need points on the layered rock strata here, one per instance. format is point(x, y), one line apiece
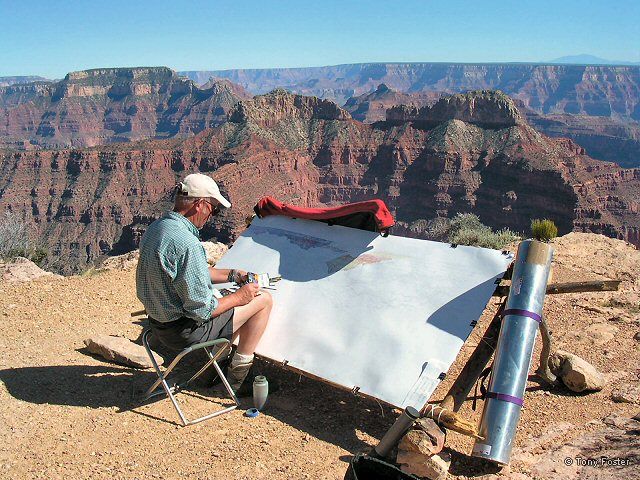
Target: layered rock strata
point(615, 139)
point(482, 158)
point(372, 107)
point(596, 90)
point(95, 107)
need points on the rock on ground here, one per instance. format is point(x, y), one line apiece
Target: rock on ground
point(126, 261)
point(24, 270)
point(425, 438)
point(121, 350)
point(601, 333)
point(434, 467)
point(129, 261)
point(627, 394)
point(577, 374)
point(598, 255)
point(214, 251)
point(609, 453)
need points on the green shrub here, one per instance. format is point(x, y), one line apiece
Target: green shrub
point(436, 229)
point(543, 230)
point(470, 231)
point(465, 229)
point(17, 241)
point(39, 256)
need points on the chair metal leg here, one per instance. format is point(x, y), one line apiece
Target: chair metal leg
point(212, 359)
point(171, 391)
point(224, 380)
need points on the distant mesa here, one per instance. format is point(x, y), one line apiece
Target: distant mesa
point(486, 108)
point(585, 59)
point(372, 107)
point(280, 104)
point(110, 105)
point(219, 85)
point(17, 80)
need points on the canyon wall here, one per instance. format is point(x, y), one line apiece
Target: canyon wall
point(598, 106)
point(574, 89)
point(613, 139)
point(95, 107)
point(482, 157)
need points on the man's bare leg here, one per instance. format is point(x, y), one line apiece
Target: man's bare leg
point(250, 321)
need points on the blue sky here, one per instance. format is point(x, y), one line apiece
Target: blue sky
point(51, 38)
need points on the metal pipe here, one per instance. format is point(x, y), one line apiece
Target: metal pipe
point(397, 430)
point(520, 323)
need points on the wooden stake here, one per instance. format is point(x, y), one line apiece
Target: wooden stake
point(445, 413)
point(570, 287)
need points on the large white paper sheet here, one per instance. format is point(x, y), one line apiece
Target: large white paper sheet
point(387, 315)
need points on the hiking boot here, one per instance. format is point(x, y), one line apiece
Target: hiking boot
point(236, 375)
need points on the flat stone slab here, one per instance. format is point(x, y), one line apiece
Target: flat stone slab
point(627, 394)
point(434, 467)
point(121, 350)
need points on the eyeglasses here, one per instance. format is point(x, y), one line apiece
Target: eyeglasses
point(215, 209)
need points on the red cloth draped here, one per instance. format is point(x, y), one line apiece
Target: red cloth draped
point(351, 214)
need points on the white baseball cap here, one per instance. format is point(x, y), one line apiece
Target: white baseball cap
point(198, 185)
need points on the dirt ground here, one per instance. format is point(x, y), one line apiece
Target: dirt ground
point(67, 414)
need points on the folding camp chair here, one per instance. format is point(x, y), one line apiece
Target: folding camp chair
point(222, 343)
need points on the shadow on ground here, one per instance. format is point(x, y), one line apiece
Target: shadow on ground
point(323, 411)
point(92, 386)
point(310, 406)
point(471, 467)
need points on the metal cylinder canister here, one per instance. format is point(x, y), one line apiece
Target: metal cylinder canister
point(397, 430)
point(521, 319)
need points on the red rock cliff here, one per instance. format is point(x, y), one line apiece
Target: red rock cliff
point(95, 107)
point(91, 202)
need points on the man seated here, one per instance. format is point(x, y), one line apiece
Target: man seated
point(174, 282)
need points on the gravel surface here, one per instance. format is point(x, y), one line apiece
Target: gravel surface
point(66, 413)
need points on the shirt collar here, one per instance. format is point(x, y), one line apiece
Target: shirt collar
point(181, 218)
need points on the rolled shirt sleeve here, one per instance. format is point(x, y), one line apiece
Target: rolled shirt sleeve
point(193, 285)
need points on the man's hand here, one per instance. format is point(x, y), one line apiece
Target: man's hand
point(241, 276)
point(223, 275)
point(246, 293)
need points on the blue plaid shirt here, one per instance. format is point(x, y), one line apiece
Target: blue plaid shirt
point(172, 277)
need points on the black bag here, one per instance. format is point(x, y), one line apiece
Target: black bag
point(364, 467)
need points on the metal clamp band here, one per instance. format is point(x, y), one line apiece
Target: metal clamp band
point(505, 398)
point(522, 313)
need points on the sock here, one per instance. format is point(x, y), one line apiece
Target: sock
point(240, 359)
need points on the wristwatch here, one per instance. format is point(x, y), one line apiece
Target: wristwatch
point(231, 277)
